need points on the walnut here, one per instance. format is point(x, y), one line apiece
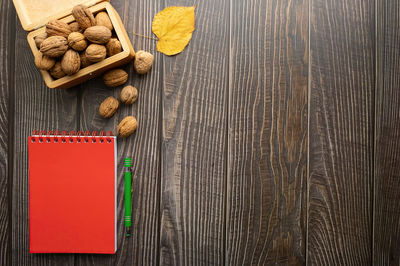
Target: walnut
point(71, 62)
point(95, 52)
point(127, 126)
point(56, 71)
point(57, 28)
point(54, 46)
point(83, 16)
point(143, 62)
point(84, 61)
point(108, 107)
point(129, 95)
point(113, 47)
point(44, 62)
point(102, 19)
point(98, 34)
point(115, 77)
point(74, 26)
point(77, 41)
point(40, 38)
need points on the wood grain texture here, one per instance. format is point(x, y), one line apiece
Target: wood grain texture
point(194, 148)
point(36, 107)
point(387, 136)
point(225, 131)
point(7, 24)
point(268, 133)
point(143, 146)
point(341, 132)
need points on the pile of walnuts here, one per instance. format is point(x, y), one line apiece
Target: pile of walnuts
point(64, 49)
point(109, 106)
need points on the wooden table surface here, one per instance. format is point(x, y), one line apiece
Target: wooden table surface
point(273, 138)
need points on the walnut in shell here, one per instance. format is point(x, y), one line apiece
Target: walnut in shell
point(108, 107)
point(83, 16)
point(40, 38)
point(115, 77)
point(84, 61)
point(95, 52)
point(102, 19)
point(70, 62)
point(129, 95)
point(143, 62)
point(98, 34)
point(44, 62)
point(74, 26)
point(113, 47)
point(56, 71)
point(54, 46)
point(77, 41)
point(57, 28)
point(127, 126)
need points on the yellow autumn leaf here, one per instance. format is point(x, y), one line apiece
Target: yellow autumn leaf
point(173, 26)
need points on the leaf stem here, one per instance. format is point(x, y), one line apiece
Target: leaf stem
point(144, 36)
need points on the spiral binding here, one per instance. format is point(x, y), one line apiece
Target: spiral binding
point(71, 137)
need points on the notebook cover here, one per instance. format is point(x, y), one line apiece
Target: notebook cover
point(72, 195)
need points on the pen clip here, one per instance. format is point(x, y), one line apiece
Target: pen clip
point(133, 183)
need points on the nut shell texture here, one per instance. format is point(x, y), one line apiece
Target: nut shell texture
point(115, 77)
point(74, 26)
point(44, 62)
point(143, 62)
point(40, 38)
point(98, 34)
point(129, 95)
point(71, 62)
point(84, 61)
point(83, 16)
point(127, 126)
point(57, 28)
point(77, 41)
point(54, 46)
point(108, 107)
point(56, 71)
point(113, 47)
point(102, 19)
point(95, 53)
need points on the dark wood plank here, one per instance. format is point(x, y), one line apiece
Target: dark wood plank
point(144, 146)
point(341, 132)
point(36, 107)
point(7, 25)
point(268, 133)
point(387, 136)
point(194, 141)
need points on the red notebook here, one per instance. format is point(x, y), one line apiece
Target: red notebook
point(72, 194)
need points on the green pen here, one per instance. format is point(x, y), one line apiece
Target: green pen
point(128, 195)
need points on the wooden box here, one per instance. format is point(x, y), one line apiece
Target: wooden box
point(34, 14)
